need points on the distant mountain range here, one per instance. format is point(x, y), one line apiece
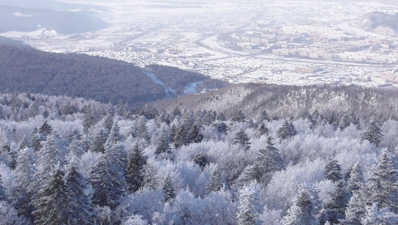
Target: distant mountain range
point(26, 69)
point(379, 22)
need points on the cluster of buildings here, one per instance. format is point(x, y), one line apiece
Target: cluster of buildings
point(319, 43)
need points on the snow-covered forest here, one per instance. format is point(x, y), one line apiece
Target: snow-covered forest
point(75, 161)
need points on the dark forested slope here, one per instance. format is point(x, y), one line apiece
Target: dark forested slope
point(26, 69)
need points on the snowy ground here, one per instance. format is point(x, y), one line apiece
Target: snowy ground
point(222, 39)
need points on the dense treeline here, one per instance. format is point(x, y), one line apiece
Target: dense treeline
point(293, 101)
point(25, 69)
point(72, 161)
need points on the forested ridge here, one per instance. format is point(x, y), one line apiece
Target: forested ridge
point(74, 161)
point(25, 69)
point(290, 101)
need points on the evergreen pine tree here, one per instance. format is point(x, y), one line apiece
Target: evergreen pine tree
point(380, 216)
point(333, 171)
point(242, 139)
point(373, 134)
point(201, 160)
point(263, 129)
point(383, 183)
point(238, 116)
point(25, 174)
point(222, 127)
point(334, 211)
point(45, 129)
point(168, 190)
point(180, 137)
point(3, 196)
point(286, 131)
point(355, 208)
point(108, 122)
point(194, 135)
point(35, 139)
point(107, 179)
point(262, 116)
point(114, 134)
point(80, 210)
point(134, 174)
point(163, 145)
point(142, 130)
point(266, 162)
point(173, 133)
point(50, 200)
point(247, 214)
point(356, 180)
point(99, 141)
point(89, 118)
point(301, 212)
point(221, 117)
point(215, 183)
point(75, 148)
point(52, 154)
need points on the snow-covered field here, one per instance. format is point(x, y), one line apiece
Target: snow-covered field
point(284, 42)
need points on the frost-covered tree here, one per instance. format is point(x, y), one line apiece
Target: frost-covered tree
point(45, 129)
point(99, 141)
point(201, 160)
point(194, 135)
point(215, 183)
point(3, 196)
point(301, 212)
point(247, 214)
point(287, 130)
point(168, 190)
point(380, 216)
point(89, 118)
point(356, 180)
point(52, 154)
point(242, 139)
point(76, 148)
point(373, 134)
point(134, 173)
point(355, 208)
point(50, 200)
point(35, 139)
point(333, 171)
point(108, 122)
point(79, 203)
point(262, 116)
point(136, 220)
point(263, 130)
point(107, 179)
point(334, 211)
point(25, 174)
point(114, 134)
point(266, 162)
point(238, 116)
point(163, 145)
point(142, 130)
point(180, 138)
point(383, 183)
point(9, 215)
